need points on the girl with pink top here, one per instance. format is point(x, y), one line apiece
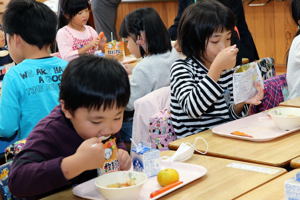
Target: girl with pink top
point(75, 37)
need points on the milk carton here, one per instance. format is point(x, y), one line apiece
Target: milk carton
point(145, 159)
point(292, 188)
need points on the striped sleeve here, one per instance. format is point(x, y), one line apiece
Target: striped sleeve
point(242, 114)
point(194, 96)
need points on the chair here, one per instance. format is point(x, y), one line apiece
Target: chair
point(146, 119)
point(275, 92)
point(10, 152)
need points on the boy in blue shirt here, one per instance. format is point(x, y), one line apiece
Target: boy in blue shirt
point(29, 89)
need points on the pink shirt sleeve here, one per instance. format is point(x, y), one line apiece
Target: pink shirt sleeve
point(64, 43)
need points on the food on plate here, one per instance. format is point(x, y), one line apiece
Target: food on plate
point(167, 176)
point(130, 182)
point(239, 133)
point(164, 189)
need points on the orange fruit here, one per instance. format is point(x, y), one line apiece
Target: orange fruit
point(167, 176)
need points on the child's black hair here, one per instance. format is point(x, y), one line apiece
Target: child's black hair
point(197, 24)
point(34, 21)
point(295, 10)
point(148, 20)
point(70, 8)
point(94, 82)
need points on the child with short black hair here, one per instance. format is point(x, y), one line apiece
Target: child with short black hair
point(74, 36)
point(29, 89)
point(201, 84)
point(65, 147)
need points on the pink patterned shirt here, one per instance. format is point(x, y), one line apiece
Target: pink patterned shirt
point(70, 40)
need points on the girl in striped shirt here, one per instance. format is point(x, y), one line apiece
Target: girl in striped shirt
point(201, 84)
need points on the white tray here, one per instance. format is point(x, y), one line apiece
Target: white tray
point(187, 173)
point(260, 126)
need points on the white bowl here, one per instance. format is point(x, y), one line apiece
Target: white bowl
point(130, 192)
point(286, 118)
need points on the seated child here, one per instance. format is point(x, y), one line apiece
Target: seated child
point(65, 147)
point(29, 89)
point(201, 84)
point(75, 37)
point(4, 54)
point(148, 38)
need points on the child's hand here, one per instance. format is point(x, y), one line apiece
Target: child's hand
point(94, 43)
point(102, 42)
point(226, 59)
point(91, 153)
point(124, 159)
point(259, 95)
point(128, 68)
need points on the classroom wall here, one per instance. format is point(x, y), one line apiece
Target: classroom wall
point(272, 29)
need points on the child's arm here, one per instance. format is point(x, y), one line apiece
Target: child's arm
point(255, 100)
point(9, 106)
point(194, 97)
point(35, 172)
point(84, 159)
point(91, 45)
point(226, 59)
point(124, 159)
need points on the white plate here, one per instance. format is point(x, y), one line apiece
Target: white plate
point(187, 172)
point(260, 126)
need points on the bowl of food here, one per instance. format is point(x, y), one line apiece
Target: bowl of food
point(121, 184)
point(286, 118)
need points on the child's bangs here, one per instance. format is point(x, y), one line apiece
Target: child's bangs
point(77, 6)
point(105, 101)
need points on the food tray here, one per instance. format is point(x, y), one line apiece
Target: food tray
point(187, 172)
point(260, 126)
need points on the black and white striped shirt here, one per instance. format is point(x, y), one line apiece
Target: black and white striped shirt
point(198, 102)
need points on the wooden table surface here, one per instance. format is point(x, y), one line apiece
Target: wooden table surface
point(221, 181)
point(278, 152)
point(295, 163)
point(273, 190)
point(291, 103)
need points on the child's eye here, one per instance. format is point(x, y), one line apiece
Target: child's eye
point(117, 119)
point(214, 42)
point(94, 122)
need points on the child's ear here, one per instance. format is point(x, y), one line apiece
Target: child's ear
point(67, 113)
point(141, 39)
point(67, 16)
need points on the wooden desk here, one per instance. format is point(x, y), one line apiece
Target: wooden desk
point(295, 163)
point(291, 103)
point(220, 182)
point(271, 190)
point(278, 152)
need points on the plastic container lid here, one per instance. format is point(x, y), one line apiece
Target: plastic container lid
point(298, 176)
